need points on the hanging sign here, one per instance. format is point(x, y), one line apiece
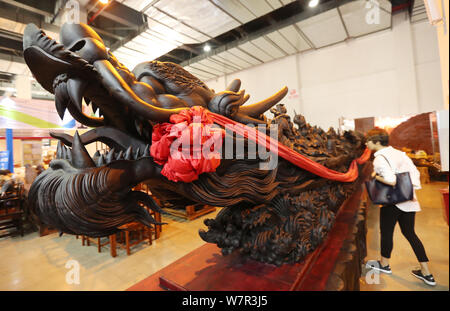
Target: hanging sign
point(4, 160)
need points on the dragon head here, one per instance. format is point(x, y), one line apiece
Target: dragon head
point(81, 67)
point(284, 212)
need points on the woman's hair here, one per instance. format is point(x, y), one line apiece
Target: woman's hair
point(378, 135)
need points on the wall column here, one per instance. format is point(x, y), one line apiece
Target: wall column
point(442, 34)
point(23, 86)
point(407, 97)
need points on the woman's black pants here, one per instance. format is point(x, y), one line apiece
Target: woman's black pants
point(389, 215)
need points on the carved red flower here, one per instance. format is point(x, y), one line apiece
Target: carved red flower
point(184, 146)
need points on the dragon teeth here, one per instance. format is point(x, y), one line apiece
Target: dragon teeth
point(101, 160)
point(120, 155)
point(59, 150)
point(110, 156)
point(69, 155)
point(129, 153)
point(147, 151)
point(136, 155)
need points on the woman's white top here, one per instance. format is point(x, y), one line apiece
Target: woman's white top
point(399, 163)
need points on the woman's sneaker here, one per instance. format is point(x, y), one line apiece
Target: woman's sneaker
point(428, 279)
point(376, 265)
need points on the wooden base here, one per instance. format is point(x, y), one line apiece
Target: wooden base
point(332, 266)
point(207, 269)
point(45, 230)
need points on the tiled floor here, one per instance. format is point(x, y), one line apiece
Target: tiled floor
point(39, 263)
point(431, 228)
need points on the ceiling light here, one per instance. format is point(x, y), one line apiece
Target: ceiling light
point(313, 3)
point(104, 1)
point(207, 48)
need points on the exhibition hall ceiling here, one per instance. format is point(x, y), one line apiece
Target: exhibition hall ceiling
point(418, 11)
point(210, 38)
point(296, 29)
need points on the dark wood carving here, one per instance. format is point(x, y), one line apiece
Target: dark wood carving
point(414, 133)
point(273, 216)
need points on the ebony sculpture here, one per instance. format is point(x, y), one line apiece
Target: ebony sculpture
point(274, 216)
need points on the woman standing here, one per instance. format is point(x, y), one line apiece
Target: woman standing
point(388, 162)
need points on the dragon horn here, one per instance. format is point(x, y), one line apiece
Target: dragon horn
point(258, 109)
point(234, 86)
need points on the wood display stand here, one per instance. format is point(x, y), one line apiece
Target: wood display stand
point(424, 174)
point(335, 265)
point(191, 211)
point(45, 230)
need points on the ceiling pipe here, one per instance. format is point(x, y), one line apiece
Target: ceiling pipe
point(98, 12)
point(402, 6)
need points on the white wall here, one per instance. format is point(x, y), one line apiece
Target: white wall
point(390, 73)
point(427, 65)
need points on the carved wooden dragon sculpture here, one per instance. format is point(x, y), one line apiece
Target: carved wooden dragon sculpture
point(274, 216)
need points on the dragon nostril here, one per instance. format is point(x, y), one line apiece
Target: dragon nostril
point(78, 46)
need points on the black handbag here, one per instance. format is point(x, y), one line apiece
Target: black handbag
point(381, 193)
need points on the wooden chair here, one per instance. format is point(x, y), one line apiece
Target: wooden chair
point(137, 230)
point(11, 211)
point(157, 216)
point(97, 241)
point(128, 232)
point(86, 241)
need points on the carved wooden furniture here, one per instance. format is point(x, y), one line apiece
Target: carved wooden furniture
point(444, 193)
point(137, 230)
point(127, 232)
point(157, 216)
point(100, 242)
point(424, 174)
point(11, 211)
point(111, 241)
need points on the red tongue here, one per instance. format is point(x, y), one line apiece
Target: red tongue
point(187, 170)
point(293, 156)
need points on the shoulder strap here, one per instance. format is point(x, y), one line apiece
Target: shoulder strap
point(386, 160)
